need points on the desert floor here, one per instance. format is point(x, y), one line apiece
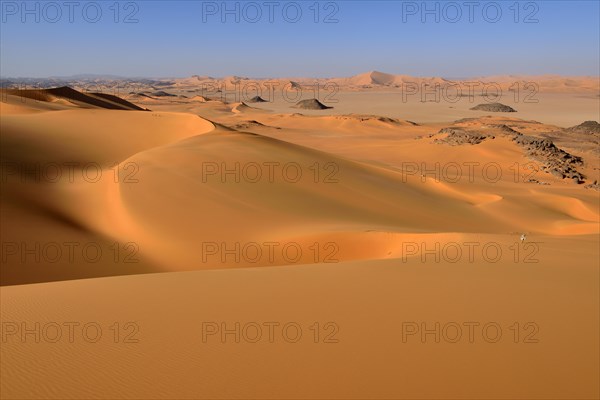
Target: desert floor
point(212, 249)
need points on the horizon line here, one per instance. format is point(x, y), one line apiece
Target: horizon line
point(112, 76)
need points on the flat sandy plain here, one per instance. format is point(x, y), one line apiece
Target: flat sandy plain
point(209, 248)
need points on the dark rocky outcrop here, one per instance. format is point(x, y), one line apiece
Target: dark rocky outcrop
point(257, 99)
point(458, 136)
point(588, 127)
point(161, 93)
point(554, 160)
point(493, 107)
point(249, 124)
point(311, 104)
point(504, 128)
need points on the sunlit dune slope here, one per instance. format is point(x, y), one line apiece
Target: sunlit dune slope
point(67, 95)
point(163, 350)
point(178, 191)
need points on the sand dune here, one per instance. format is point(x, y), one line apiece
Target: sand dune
point(102, 136)
point(197, 200)
point(361, 354)
point(244, 108)
point(68, 95)
point(174, 152)
point(373, 78)
point(201, 99)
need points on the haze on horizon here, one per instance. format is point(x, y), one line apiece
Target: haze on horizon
point(335, 39)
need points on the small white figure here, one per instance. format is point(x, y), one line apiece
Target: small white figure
point(523, 237)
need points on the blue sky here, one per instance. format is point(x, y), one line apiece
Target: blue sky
point(182, 38)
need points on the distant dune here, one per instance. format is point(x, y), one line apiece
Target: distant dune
point(378, 80)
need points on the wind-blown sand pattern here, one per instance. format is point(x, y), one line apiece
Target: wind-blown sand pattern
point(379, 195)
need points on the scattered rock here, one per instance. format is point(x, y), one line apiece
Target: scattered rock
point(555, 161)
point(463, 120)
point(378, 118)
point(532, 180)
point(257, 99)
point(457, 137)
point(593, 186)
point(588, 127)
point(504, 128)
point(311, 104)
point(493, 107)
point(252, 124)
point(161, 93)
point(141, 94)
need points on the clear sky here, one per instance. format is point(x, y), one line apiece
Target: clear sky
point(183, 38)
